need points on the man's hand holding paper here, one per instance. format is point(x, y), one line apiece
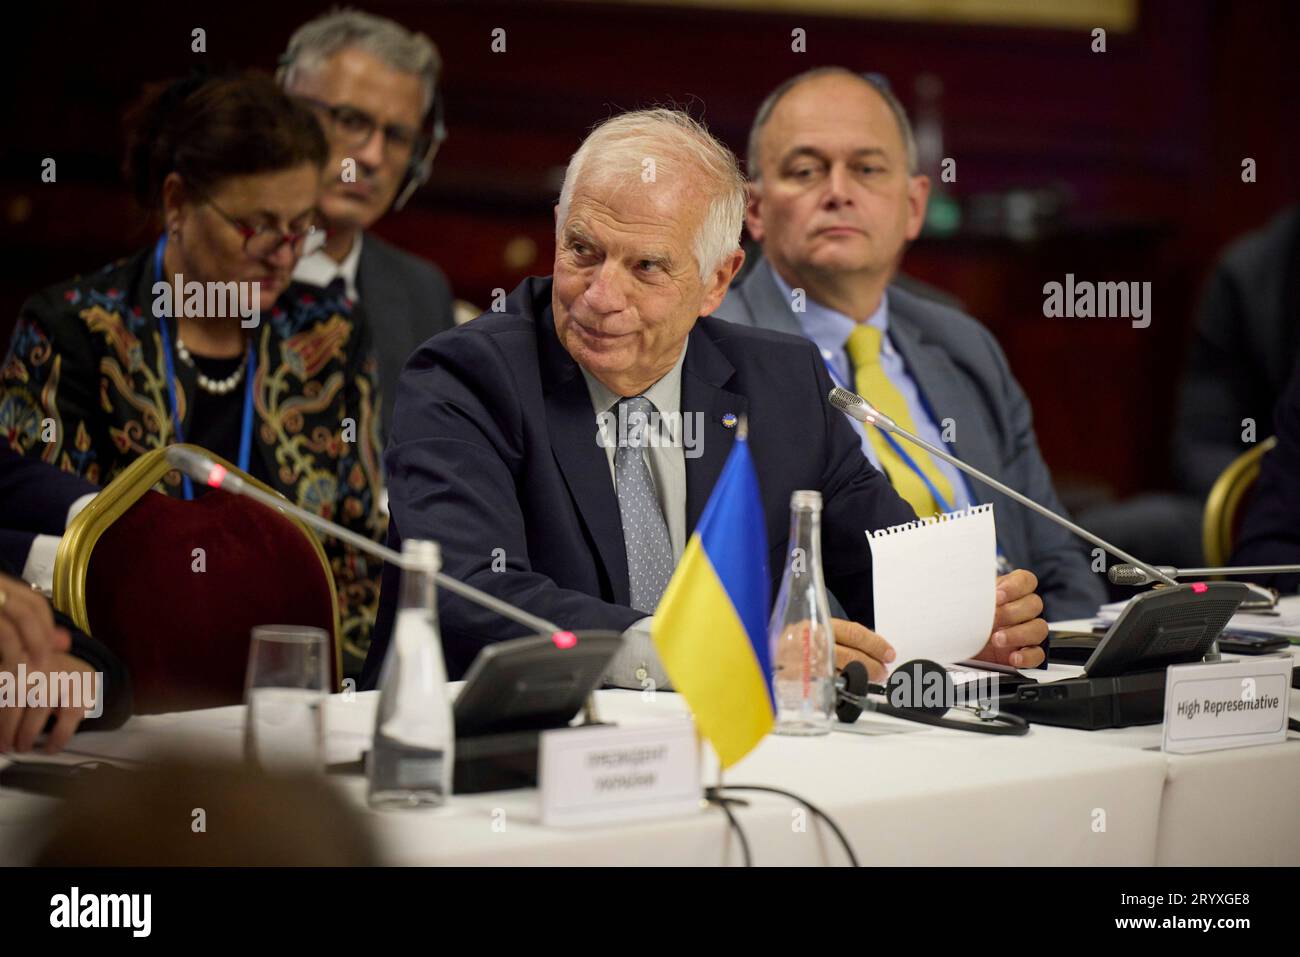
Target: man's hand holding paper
point(1018, 631)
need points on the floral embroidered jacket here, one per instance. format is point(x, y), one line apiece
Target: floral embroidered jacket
point(84, 387)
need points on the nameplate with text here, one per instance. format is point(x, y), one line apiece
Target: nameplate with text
point(618, 773)
point(1228, 704)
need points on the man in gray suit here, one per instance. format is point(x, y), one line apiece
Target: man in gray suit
point(834, 198)
point(373, 84)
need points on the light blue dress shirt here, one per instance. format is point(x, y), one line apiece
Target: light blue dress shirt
point(830, 330)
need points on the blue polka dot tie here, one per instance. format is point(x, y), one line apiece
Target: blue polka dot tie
point(645, 533)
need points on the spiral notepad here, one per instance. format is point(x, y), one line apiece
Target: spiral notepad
point(934, 582)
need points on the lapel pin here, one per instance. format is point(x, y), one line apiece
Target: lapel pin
point(729, 420)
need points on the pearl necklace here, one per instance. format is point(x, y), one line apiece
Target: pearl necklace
point(212, 386)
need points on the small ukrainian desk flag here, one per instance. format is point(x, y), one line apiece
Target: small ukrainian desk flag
point(710, 628)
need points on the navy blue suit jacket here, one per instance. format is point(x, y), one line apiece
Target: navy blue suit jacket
point(494, 454)
point(34, 500)
point(1270, 533)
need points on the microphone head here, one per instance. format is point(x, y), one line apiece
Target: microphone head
point(849, 403)
point(1132, 575)
point(853, 681)
point(1127, 575)
point(856, 407)
point(188, 461)
point(200, 468)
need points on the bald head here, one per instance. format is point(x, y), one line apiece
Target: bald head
point(871, 82)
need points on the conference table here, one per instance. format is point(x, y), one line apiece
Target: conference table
point(903, 793)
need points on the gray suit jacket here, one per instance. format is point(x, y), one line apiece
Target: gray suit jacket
point(963, 375)
point(406, 299)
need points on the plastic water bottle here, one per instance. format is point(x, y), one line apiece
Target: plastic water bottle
point(803, 643)
point(412, 757)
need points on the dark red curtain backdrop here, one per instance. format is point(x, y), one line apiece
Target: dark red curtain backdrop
point(1146, 138)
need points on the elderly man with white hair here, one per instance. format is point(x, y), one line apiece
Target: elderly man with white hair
point(508, 441)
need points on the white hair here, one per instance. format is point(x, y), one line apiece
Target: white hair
point(391, 43)
point(619, 147)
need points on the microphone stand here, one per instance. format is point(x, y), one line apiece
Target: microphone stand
point(204, 470)
point(864, 412)
point(856, 407)
point(1221, 570)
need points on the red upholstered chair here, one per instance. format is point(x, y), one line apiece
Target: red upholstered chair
point(130, 572)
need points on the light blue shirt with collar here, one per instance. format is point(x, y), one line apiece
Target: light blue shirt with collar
point(829, 330)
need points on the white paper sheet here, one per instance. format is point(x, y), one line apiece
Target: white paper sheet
point(934, 582)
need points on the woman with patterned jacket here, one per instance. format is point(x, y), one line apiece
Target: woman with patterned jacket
point(202, 337)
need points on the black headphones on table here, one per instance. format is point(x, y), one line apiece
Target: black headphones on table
point(920, 691)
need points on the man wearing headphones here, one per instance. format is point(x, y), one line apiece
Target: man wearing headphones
point(373, 84)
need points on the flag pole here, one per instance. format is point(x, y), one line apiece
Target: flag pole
point(702, 758)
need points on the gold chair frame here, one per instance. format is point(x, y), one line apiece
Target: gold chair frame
point(1224, 501)
point(72, 561)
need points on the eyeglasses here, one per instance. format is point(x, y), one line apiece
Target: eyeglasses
point(354, 128)
point(263, 241)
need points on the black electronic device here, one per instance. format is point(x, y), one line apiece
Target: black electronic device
point(53, 779)
point(1072, 647)
point(1250, 643)
point(1124, 678)
point(514, 690)
point(1091, 704)
point(1174, 625)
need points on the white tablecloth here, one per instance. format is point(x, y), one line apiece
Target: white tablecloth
point(903, 793)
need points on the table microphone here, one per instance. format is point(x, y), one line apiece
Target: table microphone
point(205, 470)
point(859, 408)
point(1133, 575)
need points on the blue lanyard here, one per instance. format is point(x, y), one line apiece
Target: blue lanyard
point(246, 425)
point(943, 503)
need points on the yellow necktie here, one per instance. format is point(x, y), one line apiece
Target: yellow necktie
point(873, 385)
